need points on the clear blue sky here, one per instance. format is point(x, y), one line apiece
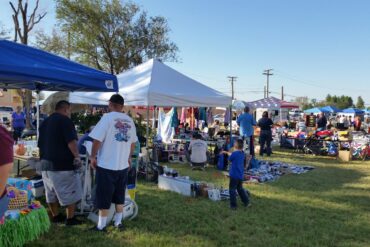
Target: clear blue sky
point(315, 47)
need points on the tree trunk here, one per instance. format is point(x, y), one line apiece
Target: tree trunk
point(27, 23)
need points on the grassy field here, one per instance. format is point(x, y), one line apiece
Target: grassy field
point(329, 206)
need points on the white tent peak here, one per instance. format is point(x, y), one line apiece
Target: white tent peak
point(155, 83)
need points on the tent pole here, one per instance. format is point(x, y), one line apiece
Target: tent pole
point(147, 127)
point(147, 143)
point(153, 122)
point(281, 117)
point(231, 121)
point(37, 114)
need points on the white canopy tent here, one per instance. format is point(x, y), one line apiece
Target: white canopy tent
point(156, 84)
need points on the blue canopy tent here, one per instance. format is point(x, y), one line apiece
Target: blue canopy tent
point(24, 67)
point(331, 109)
point(314, 110)
point(353, 111)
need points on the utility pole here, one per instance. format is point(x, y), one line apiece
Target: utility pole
point(264, 91)
point(282, 92)
point(232, 80)
point(267, 73)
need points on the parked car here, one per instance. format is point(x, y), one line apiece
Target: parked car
point(6, 114)
point(219, 117)
point(295, 114)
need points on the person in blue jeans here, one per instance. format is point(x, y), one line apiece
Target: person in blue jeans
point(236, 173)
point(246, 122)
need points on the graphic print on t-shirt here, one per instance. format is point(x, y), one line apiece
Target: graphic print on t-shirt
point(122, 127)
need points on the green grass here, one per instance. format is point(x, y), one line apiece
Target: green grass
point(328, 206)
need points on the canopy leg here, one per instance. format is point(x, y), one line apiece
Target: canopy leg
point(37, 114)
point(231, 121)
point(147, 142)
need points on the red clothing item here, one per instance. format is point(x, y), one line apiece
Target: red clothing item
point(6, 147)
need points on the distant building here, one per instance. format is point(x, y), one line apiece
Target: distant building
point(10, 98)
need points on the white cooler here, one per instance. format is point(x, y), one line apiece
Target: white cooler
point(178, 185)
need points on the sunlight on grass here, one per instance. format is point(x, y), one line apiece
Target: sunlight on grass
point(328, 206)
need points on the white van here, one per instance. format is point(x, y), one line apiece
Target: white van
point(5, 114)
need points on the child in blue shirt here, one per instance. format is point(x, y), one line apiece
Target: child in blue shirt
point(236, 172)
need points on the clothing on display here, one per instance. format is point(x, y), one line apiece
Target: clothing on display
point(209, 116)
point(270, 171)
point(183, 115)
point(174, 118)
point(165, 130)
point(227, 116)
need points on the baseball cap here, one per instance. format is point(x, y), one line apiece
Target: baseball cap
point(117, 99)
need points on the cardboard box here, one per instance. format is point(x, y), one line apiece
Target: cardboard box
point(38, 189)
point(344, 155)
point(38, 192)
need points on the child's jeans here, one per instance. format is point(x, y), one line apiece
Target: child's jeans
point(237, 185)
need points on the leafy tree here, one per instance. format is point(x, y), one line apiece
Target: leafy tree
point(341, 102)
point(360, 103)
point(108, 34)
point(328, 98)
point(307, 106)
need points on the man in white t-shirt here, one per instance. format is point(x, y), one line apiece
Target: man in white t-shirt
point(114, 143)
point(198, 149)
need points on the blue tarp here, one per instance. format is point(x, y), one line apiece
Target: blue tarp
point(22, 66)
point(329, 108)
point(353, 110)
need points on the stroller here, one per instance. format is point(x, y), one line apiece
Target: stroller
point(314, 144)
point(87, 205)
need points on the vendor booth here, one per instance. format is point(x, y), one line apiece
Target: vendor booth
point(155, 84)
point(353, 112)
point(24, 67)
point(278, 109)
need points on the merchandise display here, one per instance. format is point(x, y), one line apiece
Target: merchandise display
point(25, 219)
point(270, 171)
point(171, 181)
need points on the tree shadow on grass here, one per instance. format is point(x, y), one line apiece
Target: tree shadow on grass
point(359, 202)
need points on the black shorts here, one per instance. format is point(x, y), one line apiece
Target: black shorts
point(110, 187)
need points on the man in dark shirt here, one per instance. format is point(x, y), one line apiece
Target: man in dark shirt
point(321, 122)
point(60, 158)
point(265, 123)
